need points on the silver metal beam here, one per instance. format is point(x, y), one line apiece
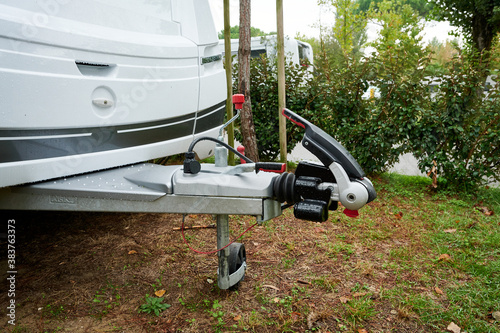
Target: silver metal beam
point(149, 188)
point(22, 199)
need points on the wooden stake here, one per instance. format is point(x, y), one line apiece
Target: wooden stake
point(228, 63)
point(281, 81)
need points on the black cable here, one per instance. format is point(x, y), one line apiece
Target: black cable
point(191, 147)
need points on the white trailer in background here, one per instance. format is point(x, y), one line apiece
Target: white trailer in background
point(296, 51)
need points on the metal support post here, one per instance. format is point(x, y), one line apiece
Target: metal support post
point(224, 280)
point(223, 240)
point(220, 154)
point(222, 226)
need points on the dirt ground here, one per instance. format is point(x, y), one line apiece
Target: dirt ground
point(90, 272)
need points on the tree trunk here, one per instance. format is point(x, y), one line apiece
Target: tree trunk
point(482, 37)
point(482, 32)
point(247, 125)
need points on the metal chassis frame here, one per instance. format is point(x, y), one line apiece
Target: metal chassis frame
point(44, 197)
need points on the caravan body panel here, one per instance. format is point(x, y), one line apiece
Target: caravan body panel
point(103, 83)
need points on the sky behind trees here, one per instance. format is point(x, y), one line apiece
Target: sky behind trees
point(302, 16)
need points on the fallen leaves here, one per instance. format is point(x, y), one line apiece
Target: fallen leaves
point(271, 287)
point(160, 293)
point(344, 299)
point(319, 230)
point(471, 225)
point(311, 319)
point(295, 316)
point(433, 172)
point(332, 273)
point(485, 210)
point(303, 282)
point(454, 328)
point(444, 257)
point(359, 294)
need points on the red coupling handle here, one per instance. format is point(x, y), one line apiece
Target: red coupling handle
point(351, 213)
point(270, 167)
point(241, 150)
point(238, 100)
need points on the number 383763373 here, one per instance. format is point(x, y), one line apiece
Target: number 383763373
point(11, 241)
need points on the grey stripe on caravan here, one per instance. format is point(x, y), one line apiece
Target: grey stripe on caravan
point(41, 134)
point(42, 137)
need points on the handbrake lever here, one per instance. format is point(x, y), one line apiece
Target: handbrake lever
point(324, 147)
point(355, 190)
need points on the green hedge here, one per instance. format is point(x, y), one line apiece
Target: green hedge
point(453, 125)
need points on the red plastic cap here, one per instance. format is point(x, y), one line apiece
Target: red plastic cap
point(351, 213)
point(241, 150)
point(238, 100)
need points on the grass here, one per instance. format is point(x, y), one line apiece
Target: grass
point(105, 299)
point(414, 261)
point(153, 305)
point(471, 277)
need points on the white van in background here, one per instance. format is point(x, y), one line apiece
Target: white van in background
point(300, 53)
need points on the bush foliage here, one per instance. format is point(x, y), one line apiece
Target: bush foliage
point(460, 132)
point(452, 126)
point(264, 96)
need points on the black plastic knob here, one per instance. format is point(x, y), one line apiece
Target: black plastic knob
point(191, 165)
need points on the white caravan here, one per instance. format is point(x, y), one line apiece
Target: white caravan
point(95, 84)
point(99, 84)
point(300, 53)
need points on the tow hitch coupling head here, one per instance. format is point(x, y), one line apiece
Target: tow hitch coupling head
point(312, 190)
point(315, 189)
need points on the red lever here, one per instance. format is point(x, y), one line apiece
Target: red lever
point(241, 150)
point(351, 213)
point(238, 100)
